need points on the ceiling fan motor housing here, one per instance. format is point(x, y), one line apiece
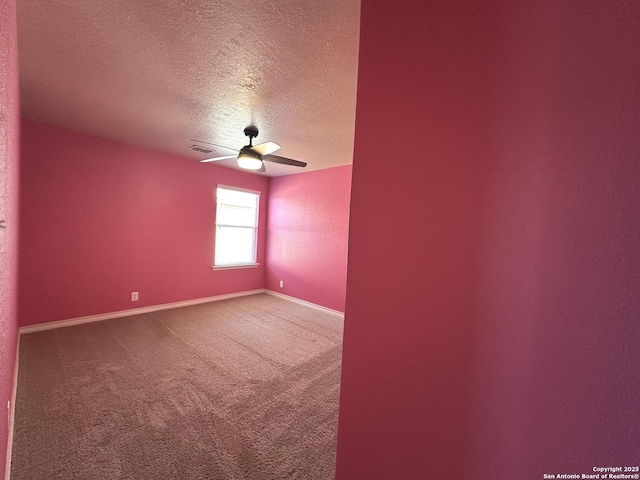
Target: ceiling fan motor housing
point(246, 151)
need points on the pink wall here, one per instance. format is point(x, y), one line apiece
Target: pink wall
point(9, 167)
point(307, 235)
point(101, 219)
point(492, 310)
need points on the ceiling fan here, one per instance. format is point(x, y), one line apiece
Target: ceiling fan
point(252, 157)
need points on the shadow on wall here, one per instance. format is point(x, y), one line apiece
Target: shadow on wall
point(492, 286)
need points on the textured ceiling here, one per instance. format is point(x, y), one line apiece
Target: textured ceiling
point(158, 73)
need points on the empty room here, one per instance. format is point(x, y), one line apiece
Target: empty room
point(148, 346)
point(317, 240)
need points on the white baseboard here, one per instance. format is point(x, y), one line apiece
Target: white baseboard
point(12, 411)
point(305, 303)
point(134, 311)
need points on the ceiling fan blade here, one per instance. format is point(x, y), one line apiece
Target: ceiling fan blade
point(215, 159)
point(262, 169)
point(266, 148)
point(215, 144)
point(284, 161)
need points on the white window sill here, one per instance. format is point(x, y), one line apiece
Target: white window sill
point(232, 267)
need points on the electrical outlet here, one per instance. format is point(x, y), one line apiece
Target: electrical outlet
point(281, 283)
point(134, 296)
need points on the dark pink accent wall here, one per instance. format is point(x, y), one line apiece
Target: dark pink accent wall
point(101, 219)
point(307, 235)
point(492, 313)
point(9, 171)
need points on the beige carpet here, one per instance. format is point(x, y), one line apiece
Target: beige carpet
point(238, 389)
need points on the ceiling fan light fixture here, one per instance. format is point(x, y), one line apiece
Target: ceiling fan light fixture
point(249, 159)
point(249, 163)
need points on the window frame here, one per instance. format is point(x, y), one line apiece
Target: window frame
point(254, 263)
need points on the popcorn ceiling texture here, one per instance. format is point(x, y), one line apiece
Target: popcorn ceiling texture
point(8, 209)
point(158, 74)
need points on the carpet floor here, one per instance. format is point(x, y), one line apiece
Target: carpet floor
point(245, 388)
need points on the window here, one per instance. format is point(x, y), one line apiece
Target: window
point(236, 227)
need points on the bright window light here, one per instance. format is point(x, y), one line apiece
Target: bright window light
point(236, 235)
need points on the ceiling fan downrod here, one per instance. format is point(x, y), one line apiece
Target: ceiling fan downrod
point(251, 132)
